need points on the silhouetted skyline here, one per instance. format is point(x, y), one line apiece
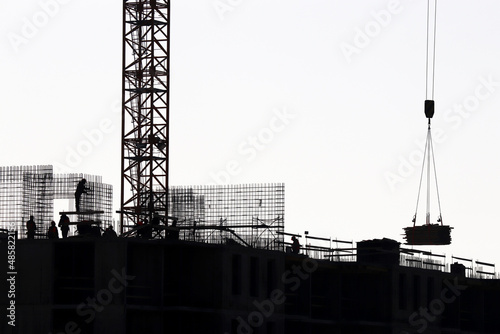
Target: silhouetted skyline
point(326, 97)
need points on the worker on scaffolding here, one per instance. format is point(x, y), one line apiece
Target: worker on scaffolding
point(64, 225)
point(80, 189)
point(52, 232)
point(31, 227)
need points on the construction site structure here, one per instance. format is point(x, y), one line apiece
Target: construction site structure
point(252, 215)
point(130, 285)
point(145, 110)
point(31, 190)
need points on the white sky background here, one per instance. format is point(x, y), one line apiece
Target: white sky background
point(352, 118)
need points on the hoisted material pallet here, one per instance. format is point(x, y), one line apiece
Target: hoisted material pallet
point(432, 234)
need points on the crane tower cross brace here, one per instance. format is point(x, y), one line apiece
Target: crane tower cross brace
point(145, 110)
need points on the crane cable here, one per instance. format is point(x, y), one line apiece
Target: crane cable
point(429, 111)
point(431, 53)
point(440, 219)
point(428, 156)
point(420, 184)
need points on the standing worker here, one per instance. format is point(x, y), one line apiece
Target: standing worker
point(31, 227)
point(52, 232)
point(80, 189)
point(295, 245)
point(64, 225)
point(109, 232)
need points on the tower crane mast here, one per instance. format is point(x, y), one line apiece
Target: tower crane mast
point(145, 111)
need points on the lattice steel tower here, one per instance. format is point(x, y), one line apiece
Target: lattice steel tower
point(145, 110)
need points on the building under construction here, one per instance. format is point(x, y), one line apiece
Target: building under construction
point(230, 269)
point(251, 215)
point(210, 259)
point(131, 285)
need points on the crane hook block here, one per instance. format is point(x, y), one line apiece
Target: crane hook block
point(429, 108)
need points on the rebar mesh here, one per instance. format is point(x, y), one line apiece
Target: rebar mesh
point(250, 214)
point(30, 191)
point(99, 196)
point(26, 191)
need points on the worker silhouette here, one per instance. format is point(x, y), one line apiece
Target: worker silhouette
point(109, 232)
point(147, 230)
point(80, 189)
point(295, 245)
point(31, 227)
point(174, 233)
point(139, 225)
point(52, 232)
point(64, 225)
point(156, 220)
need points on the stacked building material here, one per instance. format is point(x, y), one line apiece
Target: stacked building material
point(432, 234)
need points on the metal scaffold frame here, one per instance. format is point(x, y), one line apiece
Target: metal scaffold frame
point(145, 112)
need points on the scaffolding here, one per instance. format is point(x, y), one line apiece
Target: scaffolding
point(96, 204)
point(31, 190)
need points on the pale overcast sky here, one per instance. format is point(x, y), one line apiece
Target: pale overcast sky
point(324, 95)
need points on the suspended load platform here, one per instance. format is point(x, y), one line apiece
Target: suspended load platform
point(432, 234)
point(428, 234)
